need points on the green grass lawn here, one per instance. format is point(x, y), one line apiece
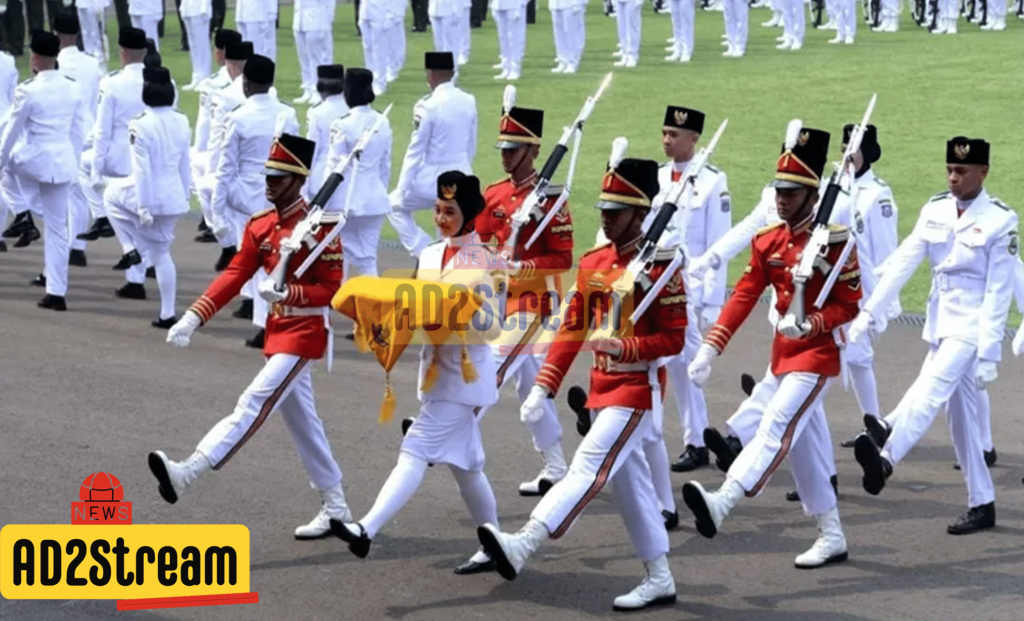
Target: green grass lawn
point(930, 88)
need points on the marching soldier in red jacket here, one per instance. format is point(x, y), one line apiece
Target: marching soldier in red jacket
point(297, 332)
point(535, 285)
point(626, 384)
point(805, 357)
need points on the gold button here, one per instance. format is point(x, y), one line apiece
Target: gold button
point(614, 265)
point(277, 228)
point(789, 245)
point(785, 293)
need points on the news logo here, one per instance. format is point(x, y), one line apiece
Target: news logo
point(101, 501)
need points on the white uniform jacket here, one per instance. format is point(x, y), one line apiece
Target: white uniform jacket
point(222, 102)
point(8, 82)
point(85, 71)
point(972, 257)
point(875, 219)
point(318, 129)
point(251, 129)
point(159, 140)
point(44, 134)
point(443, 138)
point(468, 267)
point(312, 15)
point(247, 11)
point(444, 8)
point(370, 175)
point(143, 8)
point(196, 8)
point(121, 101)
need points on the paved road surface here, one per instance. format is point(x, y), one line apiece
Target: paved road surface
point(97, 389)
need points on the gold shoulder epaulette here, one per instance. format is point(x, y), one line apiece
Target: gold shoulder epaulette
point(260, 214)
point(496, 183)
point(595, 249)
point(838, 233)
point(770, 227)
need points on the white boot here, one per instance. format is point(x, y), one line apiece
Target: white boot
point(830, 547)
point(951, 26)
point(175, 477)
point(657, 589)
point(554, 471)
point(511, 551)
point(677, 51)
point(631, 61)
point(711, 509)
point(334, 506)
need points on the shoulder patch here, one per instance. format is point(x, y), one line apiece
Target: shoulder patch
point(314, 106)
point(939, 196)
point(1000, 204)
point(67, 77)
point(113, 73)
point(261, 214)
point(712, 168)
point(838, 233)
point(139, 115)
point(28, 81)
point(770, 227)
point(881, 182)
point(237, 107)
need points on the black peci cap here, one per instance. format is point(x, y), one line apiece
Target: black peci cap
point(45, 44)
point(66, 23)
point(330, 72)
point(225, 37)
point(869, 146)
point(358, 87)
point(684, 118)
point(439, 60)
point(242, 50)
point(464, 190)
point(963, 150)
point(132, 38)
point(259, 69)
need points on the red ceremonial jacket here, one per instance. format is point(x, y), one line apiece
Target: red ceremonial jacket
point(302, 335)
point(546, 260)
point(775, 252)
point(659, 332)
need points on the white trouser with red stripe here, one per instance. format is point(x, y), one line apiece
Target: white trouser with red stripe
point(792, 425)
point(284, 384)
point(612, 451)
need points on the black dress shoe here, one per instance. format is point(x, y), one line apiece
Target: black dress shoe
point(990, 459)
point(100, 228)
point(794, 496)
point(21, 223)
point(747, 383)
point(691, 459)
point(127, 260)
point(244, 310)
point(77, 258)
point(577, 399)
point(132, 291)
point(226, 254)
point(406, 423)
point(38, 281)
point(53, 302)
point(202, 226)
point(725, 449)
point(976, 518)
point(3, 246)
point(151, 272)
point(877, 469)
point(258, 339)
point(671, 519)
point(30, 235)
point(206, 237)
point(851, 442)
point(877, 429)
point(164, 324)
point(357, 544)
point(472, 567)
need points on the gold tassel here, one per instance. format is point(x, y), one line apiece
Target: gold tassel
point(468, 372)
point(387, 406)
point(430, 377)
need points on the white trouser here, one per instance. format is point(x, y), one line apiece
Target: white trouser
point(198, 31)
point(262, 35)
point(795, 16)
point(612, 451)
point(792, 425)
point(860, 357)
point(403, 205)
point(995, 10)
point(315, 48)
point(627, 17)
point(561, 28)
point(148, 23)
point(285, 383)
point(846, 18)
point(690, 402)
point(447, 34)
point(511, 25)
point(579, 30)
point(80, 202)
point(462, 51)
point(682, 23)
point(946, 379)
point(92, 34)
point(123, 216)
point(396, 50)
point(204, 186)
point(983, 418)
point(360, 238)
point(49, 200)
point(891, 9)
point(376, 50)
point(737, 23)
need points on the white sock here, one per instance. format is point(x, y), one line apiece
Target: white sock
point(657, 460)
point(403, 482)
point(865, 388)
point(167, 281)
point(478, 495)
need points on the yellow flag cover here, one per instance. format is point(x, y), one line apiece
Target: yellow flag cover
point(390, 313)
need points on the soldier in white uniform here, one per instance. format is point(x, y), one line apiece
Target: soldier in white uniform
point(682, 30)
point(85, 71)
point(249, 131)
point(737, 26)
point(363, 195)
point(628, 20)
point(709, 218)
point(794, 25)
point(971, 241)
point(39, 151)
point(443, 138)
point(196, 15)
point(146, 14)
point(445, 25)
point(312, 23)
point(330, 86)
point(148, 208)
point(255, 20)
point(375, 24)
point(510, 20)
point(447, 430)
point(396, 40)
point(91, 16)
point(567, 24)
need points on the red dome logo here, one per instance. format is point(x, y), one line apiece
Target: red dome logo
point(101, 487)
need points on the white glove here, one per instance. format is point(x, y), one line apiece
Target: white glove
point(269, 293)
point(3, 8)
point(145, 218)
point(793, 330)
point(985, 374)
point(860, 326)
point(708, 317)
point(1018, 341)
point(702, 264)
point(219, 226)
point(181, 332)
point(532, 409)
point(700, 368)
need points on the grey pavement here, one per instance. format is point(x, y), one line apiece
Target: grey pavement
point(96, 389)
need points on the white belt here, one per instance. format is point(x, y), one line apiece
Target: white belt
point(280, 310)
point(617, 367)
point(948, 282)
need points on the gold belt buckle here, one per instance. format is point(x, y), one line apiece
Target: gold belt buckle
point(277, 309)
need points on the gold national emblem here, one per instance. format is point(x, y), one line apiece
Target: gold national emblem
point(961, 151)
point(448, 192)
point(804, 137)
point(681, 117)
